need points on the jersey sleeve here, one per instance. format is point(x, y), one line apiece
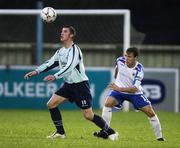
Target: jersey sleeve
point(121, 60)
point(51, 63)
point(138, 76)
point(73, 60)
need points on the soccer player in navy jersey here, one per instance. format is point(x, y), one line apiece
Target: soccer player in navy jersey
point(127, 86)
point(76, 88)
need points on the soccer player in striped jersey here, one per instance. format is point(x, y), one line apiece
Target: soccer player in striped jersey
point(76, 88)
point(127, 86)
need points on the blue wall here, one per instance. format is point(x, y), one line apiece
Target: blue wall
point(15, 92)
point(160, 86)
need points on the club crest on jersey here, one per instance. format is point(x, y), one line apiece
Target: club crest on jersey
point(63, 64)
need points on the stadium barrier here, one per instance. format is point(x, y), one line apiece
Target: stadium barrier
point(161, 86)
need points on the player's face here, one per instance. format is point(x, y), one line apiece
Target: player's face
point(65, 35)
point(130, 60)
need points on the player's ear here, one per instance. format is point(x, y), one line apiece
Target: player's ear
point(71, 35)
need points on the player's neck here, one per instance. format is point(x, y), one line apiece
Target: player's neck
point(68, 44)
point(131, 65)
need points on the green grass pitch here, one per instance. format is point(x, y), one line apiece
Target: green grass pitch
point(29, 128)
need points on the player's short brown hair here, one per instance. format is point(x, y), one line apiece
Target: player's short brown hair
point(133, 50)
point(72, 29)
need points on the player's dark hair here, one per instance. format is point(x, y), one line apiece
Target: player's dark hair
point(72, 29)
point(133, 50)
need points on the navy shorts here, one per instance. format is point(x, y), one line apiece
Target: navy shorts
point(78, 93)
point(138, 100)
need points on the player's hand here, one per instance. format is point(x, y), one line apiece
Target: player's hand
point(113, 86)
point(49, 78)
point(30, 74)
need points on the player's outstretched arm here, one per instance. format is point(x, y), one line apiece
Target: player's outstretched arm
point(30, 74)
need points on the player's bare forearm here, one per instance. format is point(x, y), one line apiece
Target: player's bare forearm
point(131, 89)
point(30, 74)
point(49, 78)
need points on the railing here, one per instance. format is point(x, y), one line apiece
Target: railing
point(94, 54)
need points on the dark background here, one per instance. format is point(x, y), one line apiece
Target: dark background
point(158, 19)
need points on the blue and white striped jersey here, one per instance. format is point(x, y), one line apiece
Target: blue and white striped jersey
point(127, 77)
point(70, 62)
